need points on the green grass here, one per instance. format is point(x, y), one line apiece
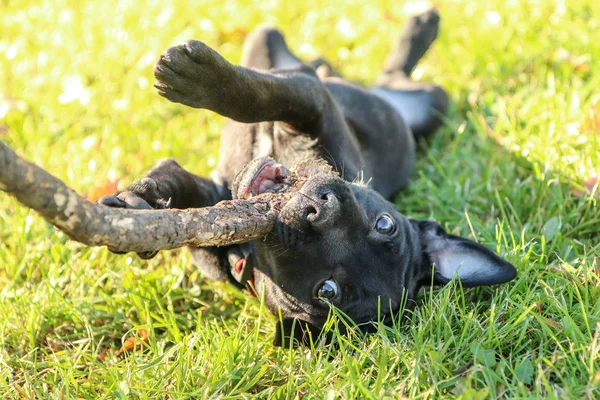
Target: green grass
point(523, 78)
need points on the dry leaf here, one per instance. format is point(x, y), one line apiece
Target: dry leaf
point(579, 63)
point(108, 187)
point(102, 356)
point(588, 187)
point(592, 121)
point(134, 342)
point(553, 323)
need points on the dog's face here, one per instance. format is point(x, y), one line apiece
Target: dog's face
point(342, 244)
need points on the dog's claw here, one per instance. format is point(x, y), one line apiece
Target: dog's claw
point(146, 255)
point(161, 87)
point(112, 201)
point(187, 48)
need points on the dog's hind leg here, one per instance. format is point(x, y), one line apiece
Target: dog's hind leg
point(265, 48)
point(324, 69)
point(421, 105)
point(415, 39)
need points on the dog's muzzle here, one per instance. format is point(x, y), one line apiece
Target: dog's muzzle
point(316, 205)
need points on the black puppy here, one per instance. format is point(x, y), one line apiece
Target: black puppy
point(337, 240)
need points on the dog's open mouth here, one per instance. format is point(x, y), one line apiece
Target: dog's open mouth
point(264, 181)
point(261, 176)
point(264, 175)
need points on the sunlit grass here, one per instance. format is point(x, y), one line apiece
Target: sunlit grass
point(523, 132)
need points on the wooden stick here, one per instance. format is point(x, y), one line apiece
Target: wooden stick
point(124, 230)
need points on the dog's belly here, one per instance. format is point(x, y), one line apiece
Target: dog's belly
point(413, 106)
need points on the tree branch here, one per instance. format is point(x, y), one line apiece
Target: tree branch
point(126, 230)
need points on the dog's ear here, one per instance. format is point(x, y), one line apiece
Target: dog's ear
point(294, 331)
point(454, 256)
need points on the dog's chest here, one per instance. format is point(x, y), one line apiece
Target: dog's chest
point(286, 146)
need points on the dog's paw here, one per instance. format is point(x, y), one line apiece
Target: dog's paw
point(423, 28)
point(140, 199)
point(193, 74)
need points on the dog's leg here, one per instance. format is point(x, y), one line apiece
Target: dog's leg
point(414, 41)
point(168, 185)
point(421, 105)
point(265, 48)
point(324, 69)
point(195, 75)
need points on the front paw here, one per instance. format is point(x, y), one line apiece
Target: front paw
point(193, 74)
point(125, 199)
point(143, 194)
point(131, 200)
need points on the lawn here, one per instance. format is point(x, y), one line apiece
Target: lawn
point(513, 168)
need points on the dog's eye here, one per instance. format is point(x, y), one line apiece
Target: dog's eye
point(385, 224)
point(328, 290)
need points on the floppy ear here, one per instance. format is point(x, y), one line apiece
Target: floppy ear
point(294, 331)
point(472, 263)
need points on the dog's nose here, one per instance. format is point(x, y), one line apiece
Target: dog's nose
point(320, 208)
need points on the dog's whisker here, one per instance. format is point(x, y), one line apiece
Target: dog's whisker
point(329, 157)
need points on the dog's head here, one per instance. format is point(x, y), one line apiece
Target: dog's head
point(342, 243)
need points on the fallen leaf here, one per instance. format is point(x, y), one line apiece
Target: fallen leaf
point(588, 187)
point(108, 187)
point(592, 120)
point(134, 342)
point(553, 323)
point(483, 355)
point(102, 356)
point(551, 228)
point(525, 371)
point(579, 63)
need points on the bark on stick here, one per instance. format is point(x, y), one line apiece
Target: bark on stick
point(126, 230)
